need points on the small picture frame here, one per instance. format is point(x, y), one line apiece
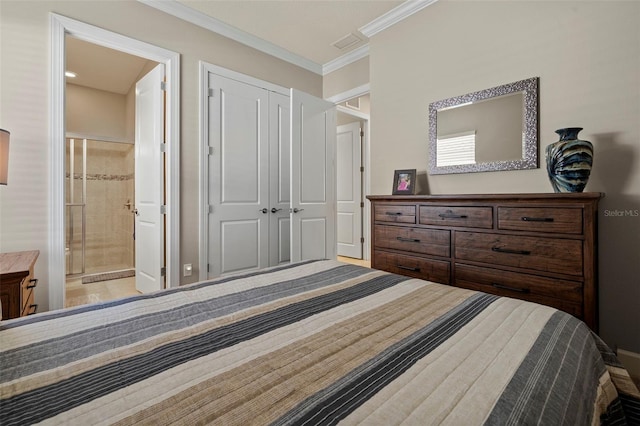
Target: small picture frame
point(404, 182)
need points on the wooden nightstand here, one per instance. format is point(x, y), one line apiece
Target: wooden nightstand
point(17, 283)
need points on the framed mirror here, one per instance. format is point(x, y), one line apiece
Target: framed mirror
point(490, 130)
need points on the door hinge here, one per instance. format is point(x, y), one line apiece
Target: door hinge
point(163, 209)
point(212, 93)
point(163, 86)
point(361, 169)
point(210, 208)
point(163, 271)
point(163, 147)
point(211, 150)
point(362, 240)
point(361, 133)
point(361, 204)
point(207, 267)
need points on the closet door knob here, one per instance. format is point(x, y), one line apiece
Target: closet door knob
point(265, 211)
point(135, 211)
point(274, 210)
point(296, 210)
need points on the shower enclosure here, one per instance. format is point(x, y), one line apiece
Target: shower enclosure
point(99, 204)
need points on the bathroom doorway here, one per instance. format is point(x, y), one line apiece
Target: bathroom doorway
point(100, 171)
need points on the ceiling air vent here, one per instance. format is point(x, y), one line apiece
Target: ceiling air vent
point(347, 41)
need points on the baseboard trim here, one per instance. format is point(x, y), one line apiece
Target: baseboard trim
point(631, 362)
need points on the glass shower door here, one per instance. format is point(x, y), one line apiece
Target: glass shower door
point(76, 195)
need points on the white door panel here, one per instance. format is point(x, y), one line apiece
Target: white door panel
point(313, 184)
point(284, 240)
point(149, 187)
point(280, 179)
point(238, 177)
point(313, 236)
point(348, 163)
point(240, 245)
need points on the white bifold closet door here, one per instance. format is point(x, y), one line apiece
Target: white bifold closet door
point(250, 179)
point(313, 177)
point(280, 179)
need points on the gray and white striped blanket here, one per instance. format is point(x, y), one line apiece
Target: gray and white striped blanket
point(313, 343)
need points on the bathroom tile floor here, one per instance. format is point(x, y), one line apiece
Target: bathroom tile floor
point(81, 294)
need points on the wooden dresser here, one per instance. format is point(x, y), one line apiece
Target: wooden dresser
point(17, 283)
point(537, 247)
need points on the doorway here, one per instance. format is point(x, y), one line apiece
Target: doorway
point(353, 163)
point(101, 93)
point(62, 27)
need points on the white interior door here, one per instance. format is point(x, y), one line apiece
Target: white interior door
point(149, 181)
point(349, 192)
point(280, 179)
point(313, 177)
point(238, 176)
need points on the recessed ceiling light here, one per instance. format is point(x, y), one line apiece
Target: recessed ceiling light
point(70, 74)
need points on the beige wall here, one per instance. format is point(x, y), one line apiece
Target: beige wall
point(587, 55)
point(353, 75)
point(24, 100)
point(91, 112)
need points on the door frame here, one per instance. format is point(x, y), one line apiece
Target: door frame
point(60, 26)
point(366, 190)
point(203, 88)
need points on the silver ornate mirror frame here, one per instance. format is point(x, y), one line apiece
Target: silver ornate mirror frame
point(529, 88)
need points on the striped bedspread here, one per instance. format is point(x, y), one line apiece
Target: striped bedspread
point(314, 343)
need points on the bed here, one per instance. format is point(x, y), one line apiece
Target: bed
point(317, 342)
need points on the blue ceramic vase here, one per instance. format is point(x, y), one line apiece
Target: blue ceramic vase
point(569, 161)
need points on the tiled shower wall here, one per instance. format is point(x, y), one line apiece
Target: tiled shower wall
point(109, 243)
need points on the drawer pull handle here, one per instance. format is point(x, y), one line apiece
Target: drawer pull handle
point(536, 219)
point(32, 283)
point(393, 213)
point(33, 307)
point(408, 268)
point(510, 251)
point(450, 215)
point(505, 287)
point(407, 240)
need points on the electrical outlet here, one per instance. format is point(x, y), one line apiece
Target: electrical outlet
point(187, 269)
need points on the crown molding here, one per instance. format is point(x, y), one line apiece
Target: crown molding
point(200, 19)
point(181, 11)
point(346, 59)
point(394, 16)
point(349, 94)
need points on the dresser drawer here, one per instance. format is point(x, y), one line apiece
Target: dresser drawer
point(426, 241)
point(540, 219)
point(540, 254)
point(470, 217)
point(515, 283)
point(426, 269)
point(560, 294)
point(395, 213)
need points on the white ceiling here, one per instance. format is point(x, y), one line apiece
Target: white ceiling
point(301, 31)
